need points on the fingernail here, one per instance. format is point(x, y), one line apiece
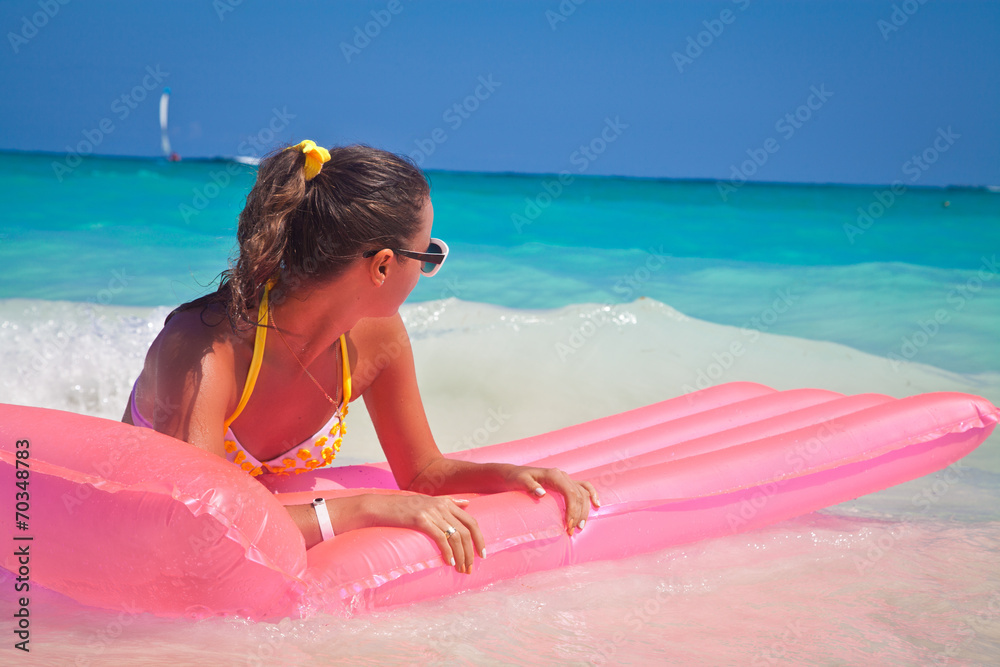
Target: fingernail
point(583, 522)
point(539, 491)
point(453, 561)
point(482, 553)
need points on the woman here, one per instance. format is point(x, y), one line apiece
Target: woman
point(330, 245)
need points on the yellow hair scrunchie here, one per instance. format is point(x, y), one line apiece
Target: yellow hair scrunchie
point(316, 156)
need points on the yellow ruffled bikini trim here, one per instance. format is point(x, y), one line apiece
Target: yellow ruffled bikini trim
point(328, 452)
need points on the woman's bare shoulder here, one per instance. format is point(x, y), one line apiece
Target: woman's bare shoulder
point(195, 340)
point(188, 381)
point(372, 335)
point(375, 343)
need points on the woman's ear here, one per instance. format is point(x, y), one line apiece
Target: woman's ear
point(379, 266)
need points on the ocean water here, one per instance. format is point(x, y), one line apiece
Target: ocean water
point(564, 301)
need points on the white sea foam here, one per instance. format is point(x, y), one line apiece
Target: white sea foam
point(539, 369)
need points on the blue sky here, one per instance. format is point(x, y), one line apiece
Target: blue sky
point(841, 92)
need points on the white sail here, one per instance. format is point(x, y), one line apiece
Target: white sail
point(164, 139)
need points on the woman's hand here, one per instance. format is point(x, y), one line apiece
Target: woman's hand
point(443, 476)
point(579, 495)
point(442, 518)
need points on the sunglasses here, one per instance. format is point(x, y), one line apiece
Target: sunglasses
point(430, 261)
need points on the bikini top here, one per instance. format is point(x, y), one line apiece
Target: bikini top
point(314, 452)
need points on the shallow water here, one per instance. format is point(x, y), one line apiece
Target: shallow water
point(826, 589)
point(907, 576)
point(546, 325)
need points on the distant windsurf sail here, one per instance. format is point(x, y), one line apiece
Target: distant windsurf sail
point(164, 138)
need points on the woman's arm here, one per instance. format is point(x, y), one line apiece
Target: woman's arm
point(393, 401)
point(434, 516)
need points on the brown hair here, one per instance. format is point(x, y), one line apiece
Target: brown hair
point(362, 199)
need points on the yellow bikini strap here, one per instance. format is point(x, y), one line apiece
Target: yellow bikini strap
point(347, 370)
point(258, 355)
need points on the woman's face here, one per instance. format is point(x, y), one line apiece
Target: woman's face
point(407, 270)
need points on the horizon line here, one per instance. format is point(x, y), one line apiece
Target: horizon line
point(253, 161)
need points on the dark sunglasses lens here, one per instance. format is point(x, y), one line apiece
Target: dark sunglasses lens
point(428, 267)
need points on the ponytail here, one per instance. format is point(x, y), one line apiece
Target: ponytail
point(262, 232)
point(362, 198)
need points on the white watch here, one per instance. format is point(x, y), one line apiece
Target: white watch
point(323, 516)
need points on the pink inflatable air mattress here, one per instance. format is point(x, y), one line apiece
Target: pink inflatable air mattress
point(111, 514)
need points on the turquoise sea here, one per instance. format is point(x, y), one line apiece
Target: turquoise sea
point(566, 299)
